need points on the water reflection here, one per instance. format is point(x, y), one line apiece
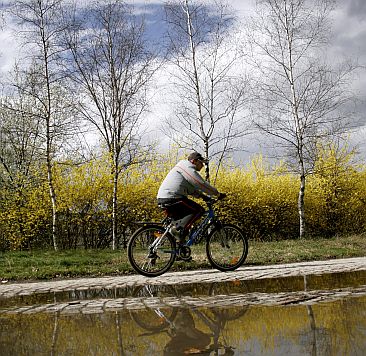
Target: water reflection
point(334, 327)
point(182, 326)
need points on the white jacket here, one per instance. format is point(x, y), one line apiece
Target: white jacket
point(184, 180)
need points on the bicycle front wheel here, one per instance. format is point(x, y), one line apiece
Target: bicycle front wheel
point(227, 247)
point(143, 259)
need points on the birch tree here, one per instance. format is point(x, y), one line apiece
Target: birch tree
point(111, 67)
point(40, 29)
point(20, 135)
point(299, 97)
point(209, 87)
point(20, 154)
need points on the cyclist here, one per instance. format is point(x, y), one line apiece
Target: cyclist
point(184, 180)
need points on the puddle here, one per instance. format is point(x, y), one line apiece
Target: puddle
point(144, 326)
point(334, 328)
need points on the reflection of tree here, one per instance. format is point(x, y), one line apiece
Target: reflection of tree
point(119, 333)
point(319, 336)
point(312, 323)
point(313, 329)
point(55, 334)
point(55, 329)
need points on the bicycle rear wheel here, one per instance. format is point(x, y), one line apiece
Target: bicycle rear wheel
point(141, 257)
point(227, 247)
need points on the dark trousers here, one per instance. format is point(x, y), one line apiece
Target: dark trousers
point(179, 208)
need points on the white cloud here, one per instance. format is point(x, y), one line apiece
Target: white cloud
point(9, 51)
point(349, 39)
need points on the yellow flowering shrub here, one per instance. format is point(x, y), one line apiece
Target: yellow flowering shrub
point(261, 199)
point(24, 214)
point(84, 200)
point(336, 194)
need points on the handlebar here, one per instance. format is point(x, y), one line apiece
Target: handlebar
point(211, 200)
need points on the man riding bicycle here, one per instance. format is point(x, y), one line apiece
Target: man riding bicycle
point(154, 247)
point(181, 181)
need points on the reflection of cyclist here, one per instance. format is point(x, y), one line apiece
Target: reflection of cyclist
point(186, 337)
point(181, 181)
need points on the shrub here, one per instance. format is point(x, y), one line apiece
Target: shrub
point(262, 200)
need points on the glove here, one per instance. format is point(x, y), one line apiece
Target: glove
point(222, 196)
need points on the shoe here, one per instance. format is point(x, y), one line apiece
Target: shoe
point(175, 233)
point(181, 240)
point(178, 234)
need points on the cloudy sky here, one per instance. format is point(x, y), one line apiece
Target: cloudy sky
point(348, 40)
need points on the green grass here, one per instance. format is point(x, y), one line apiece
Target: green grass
point(37, 265)
point(62, 264)
point(308, 249)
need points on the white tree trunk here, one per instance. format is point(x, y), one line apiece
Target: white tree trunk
point(114, 202)
point(301, 206)
point(54, 217)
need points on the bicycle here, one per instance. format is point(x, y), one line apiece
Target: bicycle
point(152, 249)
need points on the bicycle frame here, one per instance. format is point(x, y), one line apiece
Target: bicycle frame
point(157, 241)
point(195, 235)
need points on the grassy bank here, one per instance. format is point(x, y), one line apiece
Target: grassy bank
point(35, 265)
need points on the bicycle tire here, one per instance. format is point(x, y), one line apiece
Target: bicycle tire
point(226, 247)
point(138, 251)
